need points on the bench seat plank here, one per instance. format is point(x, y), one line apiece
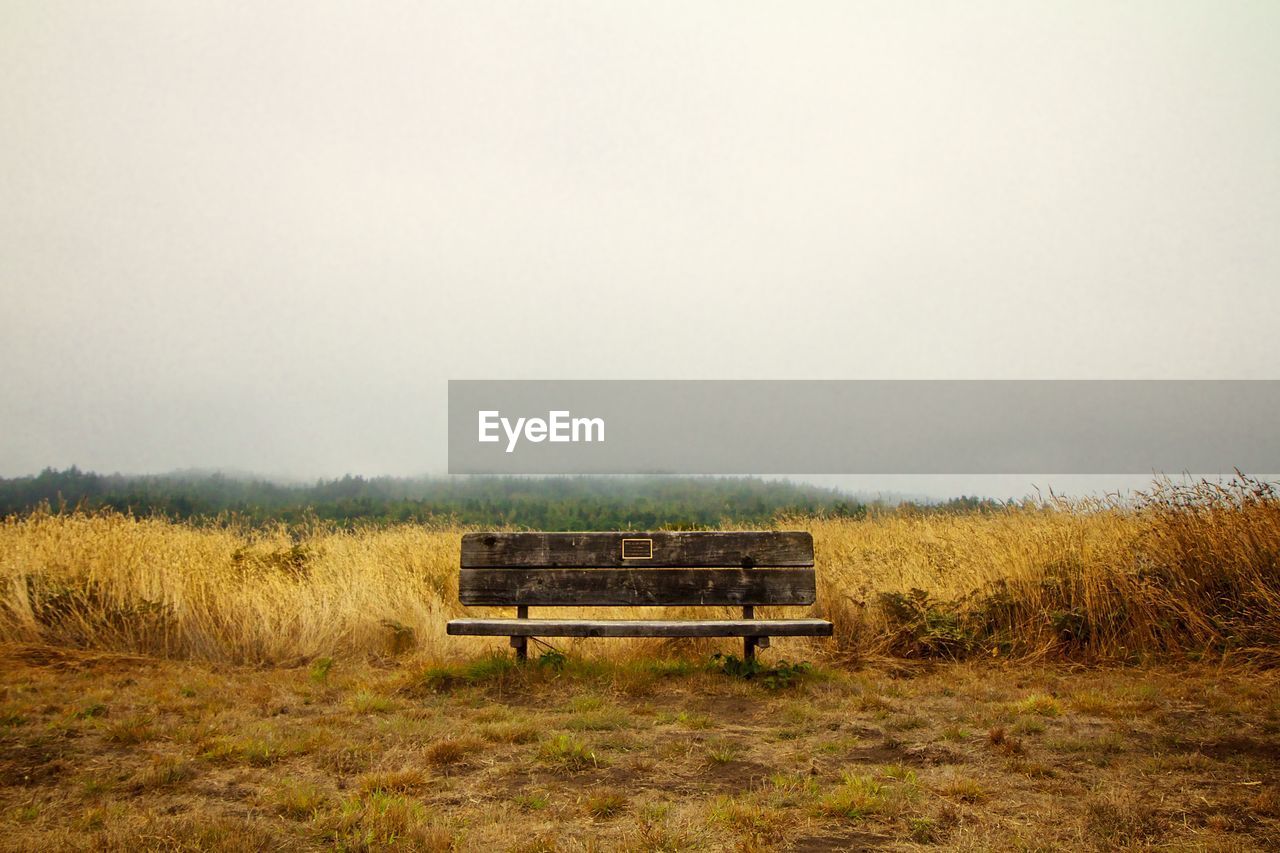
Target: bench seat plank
point(636, 587)
point(658, 549)
point(640, 627)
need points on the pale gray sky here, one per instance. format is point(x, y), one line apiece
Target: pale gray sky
point(264, 235)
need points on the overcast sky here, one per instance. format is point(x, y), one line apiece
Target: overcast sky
point(264, 235)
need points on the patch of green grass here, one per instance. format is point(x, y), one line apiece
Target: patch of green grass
point(497, 667)
point(774, 676)
point(788, 781)
point(12, 719)
point(722, 751)
point(566, 752)
point(320, 671)
point(655, 810)
point(905, 723)
point(1040, 705)
point(1143, 697)
point(95, 786)
point(367, 702)
point(381, 821)
point(257, 750)
point(594, 671)
point(793, 789)
point(924, 626)
point(671, 668)
point(855, 798)
point(758, 824)
point(492, 713)
point(586, 703)
point(684, 718)
point(901, 773)
point(91, 710)
point(922, 830)
point(657, 831)
point(533, 801)
point(1095, 703)
point(261, 752)
point(298, 800)
point(552, 659)
point(798, 713)
point(605, 719)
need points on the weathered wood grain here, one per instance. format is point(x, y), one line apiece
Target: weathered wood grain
point(640, 628)
point(636, 587)
point(670, 549)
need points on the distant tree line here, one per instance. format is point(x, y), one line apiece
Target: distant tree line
point(553, 503)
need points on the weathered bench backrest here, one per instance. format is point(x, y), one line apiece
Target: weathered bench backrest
point(637, 569)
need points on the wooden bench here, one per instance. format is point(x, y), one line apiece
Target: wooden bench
point(669, 569)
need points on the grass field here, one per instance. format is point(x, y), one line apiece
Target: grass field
point(1043, 677)
point(107, 752)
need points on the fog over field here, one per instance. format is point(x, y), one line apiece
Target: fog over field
point(264, 237)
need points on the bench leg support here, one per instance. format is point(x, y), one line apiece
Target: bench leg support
point(750, 644)
point(521, 644)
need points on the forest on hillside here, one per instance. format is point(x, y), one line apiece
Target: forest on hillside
point(544, 503)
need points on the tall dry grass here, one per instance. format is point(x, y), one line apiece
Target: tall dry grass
point(1190, 569)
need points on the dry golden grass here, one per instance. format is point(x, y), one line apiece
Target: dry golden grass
point(250, 758)
point(1190, 570)
point(1187, 569)
point(135, 710)
point(114, 582)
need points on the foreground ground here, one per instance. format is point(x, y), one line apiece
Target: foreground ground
point(116, 752)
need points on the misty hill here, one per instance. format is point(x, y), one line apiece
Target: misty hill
point(552, 503)
point(543, 503)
